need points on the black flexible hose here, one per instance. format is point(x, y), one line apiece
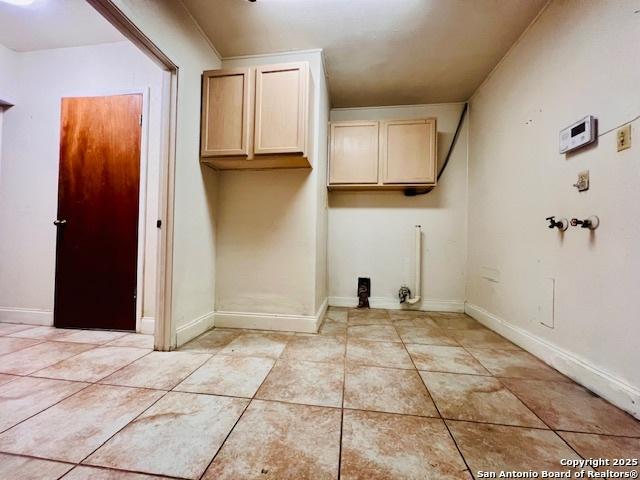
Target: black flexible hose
point(455, 139)
point(412, 192)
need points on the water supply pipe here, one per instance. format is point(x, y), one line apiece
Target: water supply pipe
point(417, 284)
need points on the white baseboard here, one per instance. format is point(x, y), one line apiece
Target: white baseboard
point(45, 318)
point(147, 325)
point(608, 386)
point(26, 316)
point(427, 305)
point(194, 328)
point(272, 321)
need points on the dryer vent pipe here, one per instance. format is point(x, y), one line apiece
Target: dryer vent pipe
point(417, 284)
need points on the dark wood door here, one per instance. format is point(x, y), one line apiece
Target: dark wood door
point(98, 189)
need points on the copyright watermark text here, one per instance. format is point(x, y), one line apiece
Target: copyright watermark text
point(577, 468)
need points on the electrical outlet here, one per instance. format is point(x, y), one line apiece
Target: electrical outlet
point(583, 181)
point(623, 136)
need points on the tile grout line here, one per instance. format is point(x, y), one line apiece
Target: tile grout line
point(45, 409)
point(487, 375)
point(102, 381)
point(31, 457)
point(344, 384)
point(88, 384)
point(96, 382)
point(122, 428)
point(118, 470)
point(342, 408)
point(204, 472)
point(76, 465)
point(61, 338)
point(21, 348)
point(538, 416)
point(165, 392)
point(253, 397)
point(94, 346)
point(464, 460)
point(219, 353)
point(42, 341)
point(525, 403)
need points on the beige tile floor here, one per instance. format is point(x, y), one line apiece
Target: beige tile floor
point(375, 395)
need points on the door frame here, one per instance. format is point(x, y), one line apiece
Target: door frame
point(164, 266)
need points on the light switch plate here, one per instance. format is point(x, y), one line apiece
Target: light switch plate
point(583, 181)
point(623, 136)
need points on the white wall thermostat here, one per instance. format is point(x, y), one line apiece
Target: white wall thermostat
point(579, 134)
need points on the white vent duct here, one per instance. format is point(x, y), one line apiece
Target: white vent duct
point(418, 272)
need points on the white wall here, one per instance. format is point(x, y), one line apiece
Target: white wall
point(579, 58)
point(1, 117)
point(272, 226)
point(172, 29)
point(322, 201)
point(8, 85)
point(8, 80)
point(371, 234)
point(30, 162)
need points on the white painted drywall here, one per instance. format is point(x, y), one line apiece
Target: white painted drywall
point(1, 117)
point(579, 58)
point(272, 224)
point(8, 80)
point(8, 86)
point(173, 30)
point(371, 234)
point(30, 162)
point(322, 202)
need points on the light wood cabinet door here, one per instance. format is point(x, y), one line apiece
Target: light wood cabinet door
point(408, 151)
point(281, 108)
point(225, 112)
point(354, 153)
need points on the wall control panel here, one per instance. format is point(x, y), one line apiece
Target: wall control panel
point(579, 134)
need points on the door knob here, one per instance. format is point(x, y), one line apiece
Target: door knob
point(59, 223)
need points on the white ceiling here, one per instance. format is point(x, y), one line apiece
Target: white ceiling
point(53, 24)
point(377, 52)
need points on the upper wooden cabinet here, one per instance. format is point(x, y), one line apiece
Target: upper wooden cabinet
point(408, 151)
point(281, 108)
point(225, 112)
point(354, 152)
point(390, 154)
point(256, 118)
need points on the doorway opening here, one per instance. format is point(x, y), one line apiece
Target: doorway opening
point(91, 149)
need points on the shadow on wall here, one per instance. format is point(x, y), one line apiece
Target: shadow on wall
point(261, 202)
point(387, 199)
point(210, 186)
